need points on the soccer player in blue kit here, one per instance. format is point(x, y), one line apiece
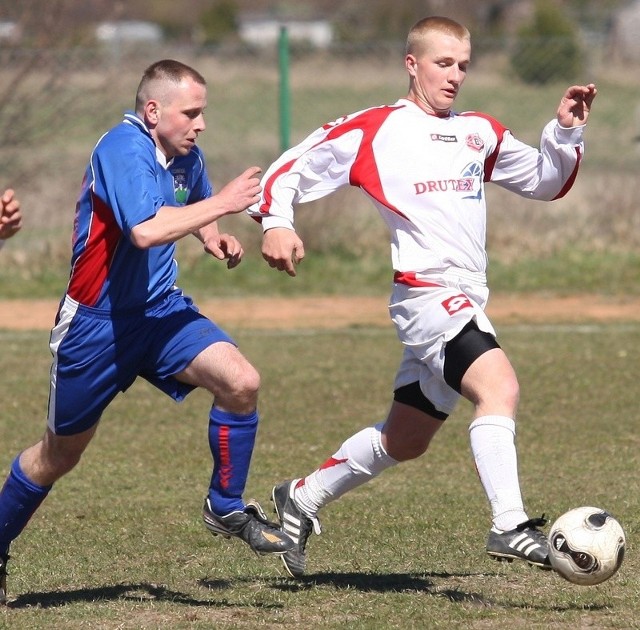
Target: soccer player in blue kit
point(122, 315)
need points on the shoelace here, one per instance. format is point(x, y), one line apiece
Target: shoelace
point(256, 509)
point(532, 523)
point(307, 526)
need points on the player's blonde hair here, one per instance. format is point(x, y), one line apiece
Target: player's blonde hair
point(155, 78)
point(433, 24)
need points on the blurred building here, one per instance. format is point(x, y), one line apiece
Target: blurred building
point(128, 32)
point(624, 39)
point(263, 30)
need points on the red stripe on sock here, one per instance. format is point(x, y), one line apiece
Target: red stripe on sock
point(332, 461)
point(225, 457)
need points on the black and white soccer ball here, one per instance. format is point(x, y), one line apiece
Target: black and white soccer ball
point(586, 545)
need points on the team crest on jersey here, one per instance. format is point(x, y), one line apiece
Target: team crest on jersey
point(474, 141)
point(456, 303)
point(180, 189)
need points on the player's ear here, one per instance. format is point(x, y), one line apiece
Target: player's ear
point(411, 63)
point(152, 112)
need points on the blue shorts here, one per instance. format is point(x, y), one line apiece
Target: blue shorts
point(97, 354)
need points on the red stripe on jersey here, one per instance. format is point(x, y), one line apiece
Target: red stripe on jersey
point(268, 186)
point(364, 172)
point(92, 265)
point(499, 130)
point(409, 278)
point(572, 178)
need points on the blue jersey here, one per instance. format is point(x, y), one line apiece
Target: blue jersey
point(126, 182)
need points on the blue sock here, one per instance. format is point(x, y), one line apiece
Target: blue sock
point(231, 439)
point(19, 499)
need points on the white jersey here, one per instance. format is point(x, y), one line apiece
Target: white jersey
point(425, 174)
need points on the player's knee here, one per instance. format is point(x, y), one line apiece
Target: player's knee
point(406, 450)
point(499, 393)
point(250, 382)
point(242, 389)
point(47, 462)
point(509, 390)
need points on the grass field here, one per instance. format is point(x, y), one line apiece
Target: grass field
point(120, 544)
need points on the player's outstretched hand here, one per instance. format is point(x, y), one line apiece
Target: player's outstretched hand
point(575, 105)
point(283, 249)
point(225, 246)
point(241, 192)
point(10, 215)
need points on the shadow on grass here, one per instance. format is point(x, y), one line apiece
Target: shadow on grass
point(420, 584)
point(388, 583)
point(127, 592)
point(363, 582)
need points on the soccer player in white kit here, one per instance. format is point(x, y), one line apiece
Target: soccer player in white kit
point(424, 167)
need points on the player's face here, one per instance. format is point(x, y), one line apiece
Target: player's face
point(438, 71)
point(180, 118)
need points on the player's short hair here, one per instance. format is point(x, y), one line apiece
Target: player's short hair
point(165, 70)
point(433, 24)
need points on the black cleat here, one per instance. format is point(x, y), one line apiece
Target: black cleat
point(296, 524)
point(525, 542)
point(250, 525)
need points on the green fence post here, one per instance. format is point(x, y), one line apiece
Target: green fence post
point(285, 96)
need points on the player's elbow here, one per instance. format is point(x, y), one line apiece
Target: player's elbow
point(142, 237)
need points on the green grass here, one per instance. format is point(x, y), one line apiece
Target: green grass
point(119, 542)
point(570, 271)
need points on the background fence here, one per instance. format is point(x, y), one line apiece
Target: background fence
point(55, 104)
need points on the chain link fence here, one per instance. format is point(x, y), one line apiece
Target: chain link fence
point(54, 104)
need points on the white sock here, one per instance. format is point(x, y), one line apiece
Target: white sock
point(494, 451)
point(359, 459)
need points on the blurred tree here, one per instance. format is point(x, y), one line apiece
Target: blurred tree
point(218, 22)
point(547, 49)
point(46, 82)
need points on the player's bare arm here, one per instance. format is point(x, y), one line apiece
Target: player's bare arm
point(575, 105)
point(283, 249)
point(173, 223)
point(10, 215)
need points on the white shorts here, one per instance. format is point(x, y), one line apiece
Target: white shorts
point(426, 318)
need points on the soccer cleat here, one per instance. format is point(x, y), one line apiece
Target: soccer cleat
point(250, 525)
point(525, 542)
point(294, 523)
point(3, 579)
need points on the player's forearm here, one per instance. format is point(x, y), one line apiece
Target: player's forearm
point(171, 223)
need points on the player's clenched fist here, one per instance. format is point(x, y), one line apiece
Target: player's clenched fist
point(283, 249)
point(10, 215)
point(243, 191)
point(575, 105)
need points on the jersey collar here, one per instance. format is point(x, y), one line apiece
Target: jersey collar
point(133, 119)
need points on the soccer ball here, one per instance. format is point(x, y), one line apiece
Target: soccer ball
point(586, 545)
